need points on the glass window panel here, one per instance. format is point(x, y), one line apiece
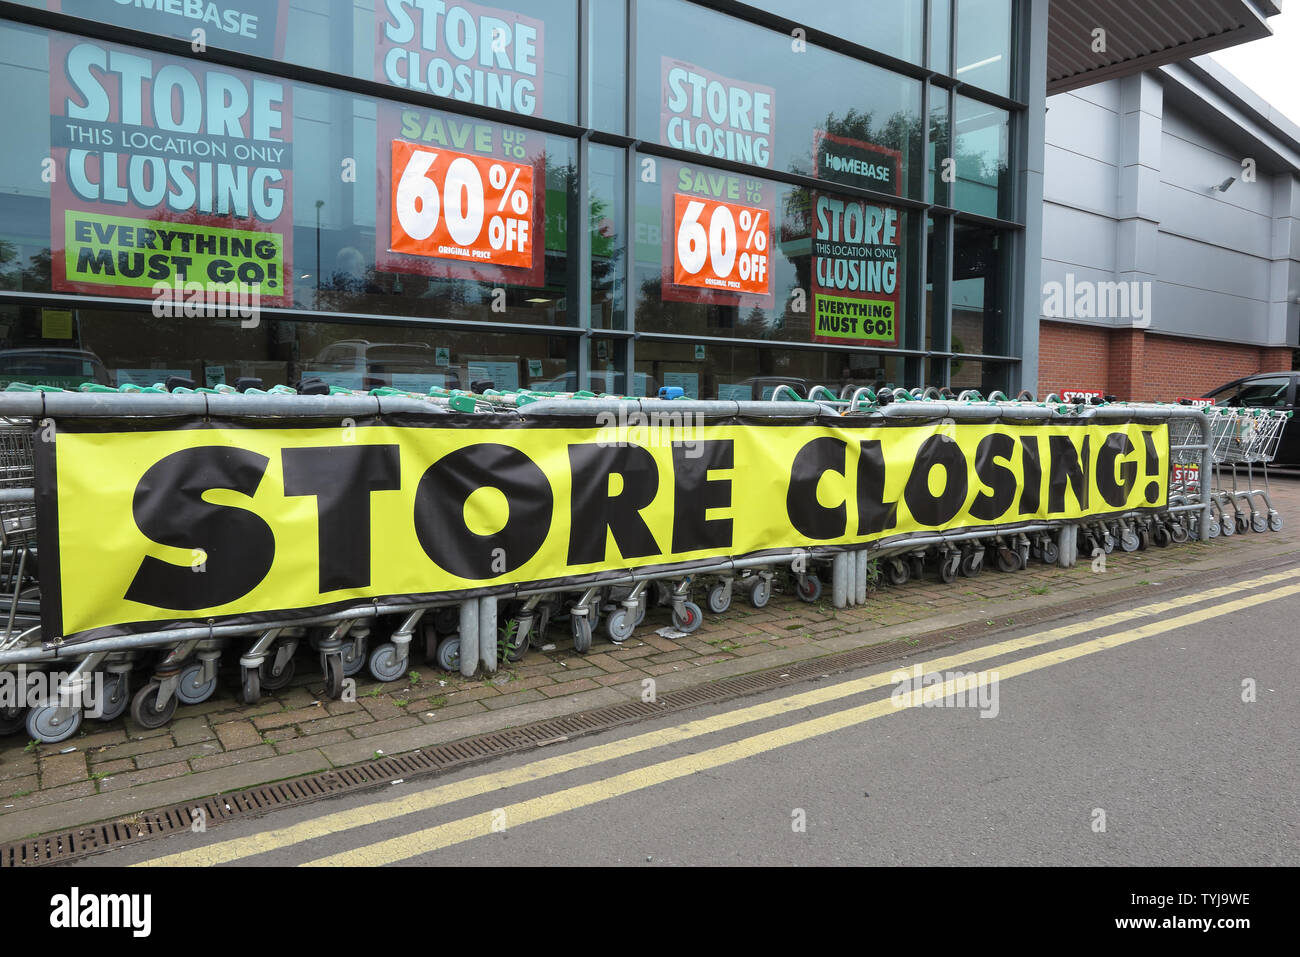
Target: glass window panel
point(983, 377)
point(941, 36)
point(890, 26)
point(940, 148)
point(984, 44)
point(936, 283)
point(833, 269)
point(748, 100)
point(980, 289)
point(299, 202)
point(608, 211)
point(135, 346)
point(516, 55)
point(709, 370)
point(607, 94)
point(982, 151)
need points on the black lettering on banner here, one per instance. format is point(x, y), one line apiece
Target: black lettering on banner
point(874, 513)
point(809, 517)
point(342, 478)
point(938, 451)
point(593, 510)
point(168, 506)
point(694, 493)
point(1031, 466)
point(1066, 466)
point(989, 506)
point(1115, 493)
point(440, 510)
point(1153, 466)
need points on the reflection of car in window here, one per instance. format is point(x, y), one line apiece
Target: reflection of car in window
point(361, 364)
point(65, 368)
point(607, 383)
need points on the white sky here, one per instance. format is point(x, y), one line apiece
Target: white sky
point(1271, 67)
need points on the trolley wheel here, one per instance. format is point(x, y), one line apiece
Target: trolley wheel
point(515, 653)
point(810, 589)
point(354, 658)
point(116, 697)
point(448, 653)
point(580, 626)
point(12, 719)
point(386, 664)
point(948, 568)
point(1160, 535)
point(333, 668)
point(640, 612)
point(190, 690)
point(1258, 522)
point(691, 616)
point(1215, 529)
point(1051, 554)
point(1243, 523)
point(1128, 540)
point(252, 686)
point(761, 593)
point(274, 682)
point(1107, 542)
point(898, 572)
point(48, 727)
point(1228, 526)
point(1178, 532)
point(719, 599)
point(1008, 560)
point(972, 562)
point(144, 707)
point(618, 627)
point(1144, 538)
point(1275, 521)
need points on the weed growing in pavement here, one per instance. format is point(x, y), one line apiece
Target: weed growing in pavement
point(32, 745)
point(401, 702)
point(1039, 590)
point(415, 678)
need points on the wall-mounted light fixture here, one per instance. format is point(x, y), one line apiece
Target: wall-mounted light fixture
point(1223, 187)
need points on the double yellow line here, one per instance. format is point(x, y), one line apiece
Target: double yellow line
point(465, 829)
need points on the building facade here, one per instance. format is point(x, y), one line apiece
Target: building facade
point(1171, 238)
point(556, 194)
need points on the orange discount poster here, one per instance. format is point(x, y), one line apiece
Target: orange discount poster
point(722, 246)
point(449, 205)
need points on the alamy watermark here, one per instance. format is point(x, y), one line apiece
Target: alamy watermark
point(947, 689)
point(21, 688)
point(651, 430)
point(209, 300)
point(1087, 299)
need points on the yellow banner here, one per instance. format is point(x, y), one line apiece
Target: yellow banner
point(232, 523)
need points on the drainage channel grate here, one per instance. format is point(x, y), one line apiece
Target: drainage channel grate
point(72, 844)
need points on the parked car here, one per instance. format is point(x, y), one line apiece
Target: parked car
point(1267, 390)
point(361, 364)
point(65, 368)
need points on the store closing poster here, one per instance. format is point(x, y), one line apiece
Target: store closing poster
point(167, 173)
point(716, 226)
point(460, 197)
point(855, 245)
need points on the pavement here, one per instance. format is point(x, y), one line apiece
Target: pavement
point(1161, 734)
point(116, 770)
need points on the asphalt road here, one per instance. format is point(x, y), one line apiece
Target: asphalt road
point(1117, 740)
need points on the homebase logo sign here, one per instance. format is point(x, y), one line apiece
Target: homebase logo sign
point(1085, 299)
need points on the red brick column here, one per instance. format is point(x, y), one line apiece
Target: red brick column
point(1128, 365)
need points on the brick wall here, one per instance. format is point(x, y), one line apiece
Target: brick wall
point(1134, 364)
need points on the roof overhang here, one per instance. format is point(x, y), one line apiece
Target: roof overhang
point(1143, 34)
